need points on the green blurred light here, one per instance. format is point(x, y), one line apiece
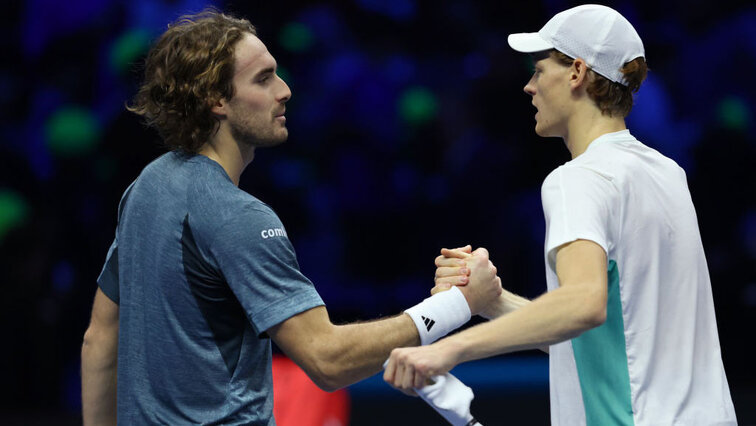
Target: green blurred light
point(733, 113)
point(105, 168)
point(128, 48)
point(72, 131)
point(295, 37)
point(284, 74)
point(13, 211)
point(528, 63)
point(418, 105)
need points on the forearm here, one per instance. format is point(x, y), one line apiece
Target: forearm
point(98, 379)
point(353, 352)
point(506, 303)
point(554, 317)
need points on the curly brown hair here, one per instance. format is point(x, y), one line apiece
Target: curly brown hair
point(613, 99)
point(187, 71)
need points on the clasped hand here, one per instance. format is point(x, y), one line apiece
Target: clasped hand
point(475, 275)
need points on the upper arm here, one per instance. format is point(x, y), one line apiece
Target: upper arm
point(582, 266)
point(104, 321)
point(297, 334)
point(579, 203)
point(301, 337)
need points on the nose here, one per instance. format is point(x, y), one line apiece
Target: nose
point(530, 87)
point(284, 93)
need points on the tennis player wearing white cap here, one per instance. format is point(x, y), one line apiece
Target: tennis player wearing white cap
point(629, 316)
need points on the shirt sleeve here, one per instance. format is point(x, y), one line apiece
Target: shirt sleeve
point(108, 279)
point(578, 203)
point(258, 262)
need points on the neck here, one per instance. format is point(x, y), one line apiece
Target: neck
point(586, 127)
point(234, 157)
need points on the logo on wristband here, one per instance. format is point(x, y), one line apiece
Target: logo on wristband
point(428, 322)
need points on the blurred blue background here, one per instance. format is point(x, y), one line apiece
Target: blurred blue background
point(409, 131)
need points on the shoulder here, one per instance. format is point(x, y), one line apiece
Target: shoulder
point(571, 187)
point(578, 175)
point(219, 207)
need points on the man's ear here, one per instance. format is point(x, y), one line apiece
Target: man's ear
point(578, 73)
point(219, 107)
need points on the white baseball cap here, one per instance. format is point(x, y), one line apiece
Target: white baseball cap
point(599, 35)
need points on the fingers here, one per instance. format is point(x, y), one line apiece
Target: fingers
point(457, 280)
point(455, 253)
point(397, 374)
point(406, 377)
point(420, 381)
point(452, 275)
point(451, 271)
point(439, 288)
point(442, 261)
point(401, 373)
point(393, 372)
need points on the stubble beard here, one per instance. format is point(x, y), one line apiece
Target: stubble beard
point(258, 135)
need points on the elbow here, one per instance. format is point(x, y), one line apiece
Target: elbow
point(323, 364)
point(592, 312)
point(595, 318)
point(328, 386)
point(325, 374)
point(99, 347)
point(89, 339)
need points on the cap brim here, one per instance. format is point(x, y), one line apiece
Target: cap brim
point(528, 42)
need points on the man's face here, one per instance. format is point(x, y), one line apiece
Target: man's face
point(256, 111)
point(549, 87)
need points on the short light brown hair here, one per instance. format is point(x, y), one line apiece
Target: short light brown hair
point(613, 99)
point(187, 71)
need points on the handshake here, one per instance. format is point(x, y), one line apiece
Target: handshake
point(475, 276)
point(466, 284)
point(424, 370)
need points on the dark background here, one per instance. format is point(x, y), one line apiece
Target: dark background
point(409, 131)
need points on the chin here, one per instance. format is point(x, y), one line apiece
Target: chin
point(275, 140)
point(545, 132)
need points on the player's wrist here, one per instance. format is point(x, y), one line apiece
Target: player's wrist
point(439, 314)
point(496, 308)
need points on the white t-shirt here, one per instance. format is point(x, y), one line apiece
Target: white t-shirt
point(656, 360)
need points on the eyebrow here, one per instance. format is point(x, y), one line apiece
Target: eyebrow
point(543, 54)
point(266, 70)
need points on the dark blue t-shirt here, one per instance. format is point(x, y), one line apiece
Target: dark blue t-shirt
point(200, 269)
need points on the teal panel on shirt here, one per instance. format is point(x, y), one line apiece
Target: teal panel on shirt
point(601, 359)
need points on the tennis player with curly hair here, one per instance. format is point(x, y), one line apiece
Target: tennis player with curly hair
point(201, 275)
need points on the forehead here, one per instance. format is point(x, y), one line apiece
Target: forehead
point(541, 58)
point(251, 56)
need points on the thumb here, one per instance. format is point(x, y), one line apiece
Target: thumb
point(480, 252)
point(466, 249)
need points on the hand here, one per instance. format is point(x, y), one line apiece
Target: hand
point(412, 368)
point(484, 286)
point(451, 268)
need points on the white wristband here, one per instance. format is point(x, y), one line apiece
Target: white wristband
point(439, 314)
